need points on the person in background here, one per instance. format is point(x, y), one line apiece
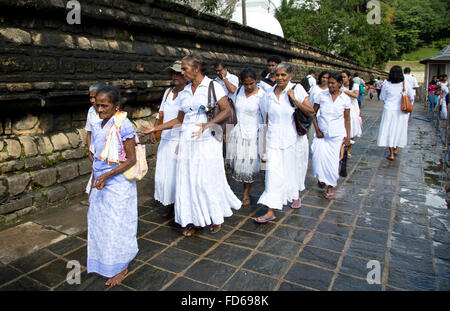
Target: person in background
point(393, 131)
point(358, 81)
point(166, 158)
point(311, 79)
point(112, 215)
point(92, 118)
point(371, 84)
point(332, 130)
point(202, 196)
point(321, 86)
point(431, 89)
point(269, 80)
point(243, 143)
point(350, 88)
point(287, 152)
point(378, 86)
point(227, 80)
point(411, 80)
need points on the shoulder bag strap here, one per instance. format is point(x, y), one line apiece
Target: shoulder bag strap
point(213, 92)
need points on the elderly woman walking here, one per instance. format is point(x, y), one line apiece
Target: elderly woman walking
point(243, 143)
point(203, 196)
point(332, 130)
point(166, 158)
point(287, 153)
point(393, 132)
point(112, 215)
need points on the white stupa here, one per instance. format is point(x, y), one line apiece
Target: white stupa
point(259, 15)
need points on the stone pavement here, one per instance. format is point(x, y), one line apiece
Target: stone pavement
point(392, 212)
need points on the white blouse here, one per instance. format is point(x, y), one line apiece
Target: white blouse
point(331, 119)
point(391, 94)
point(248, 111)
point(281, 131)
point(314, 93)
point(353, 100)
point(191, 104)
point(170, 108)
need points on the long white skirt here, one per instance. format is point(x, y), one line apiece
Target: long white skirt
point(203, 196)
point(285, 175)
point(165, 171)
point(112, 227)
point(243, 155)
point(393, 130)
point(355, 126)
point(325, 159)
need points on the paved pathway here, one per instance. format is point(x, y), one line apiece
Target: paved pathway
point(392, 212)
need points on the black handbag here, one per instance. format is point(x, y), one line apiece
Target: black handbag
point(302, 122)
point(343, 164)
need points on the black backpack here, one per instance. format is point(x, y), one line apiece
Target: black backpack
point(305, 84)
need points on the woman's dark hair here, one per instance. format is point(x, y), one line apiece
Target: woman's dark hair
point(195, 60)
point(396, 74)
point(264, 73)
point(336, 76)
point(247, 73)
point(319, 79)
point(274, 58)
point(112, 93)
point(350, 86)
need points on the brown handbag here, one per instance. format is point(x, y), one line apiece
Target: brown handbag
point(406, 105)
point(214, 109)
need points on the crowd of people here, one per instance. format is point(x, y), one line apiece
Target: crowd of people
point(190, 175)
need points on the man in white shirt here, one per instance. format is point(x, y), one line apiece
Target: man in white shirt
point(411, 80)
point(311, 79)
point(269, 80)
point(228, 81)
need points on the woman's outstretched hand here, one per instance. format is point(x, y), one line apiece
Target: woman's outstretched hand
point(147, 131)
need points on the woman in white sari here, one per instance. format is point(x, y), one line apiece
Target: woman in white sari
point(332, 130)
point(287, 153)
point(202, 196)
point(352, 90)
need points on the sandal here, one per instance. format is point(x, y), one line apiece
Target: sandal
point(215, 228)
point(390, 159)
point(296, 204)
point(265, 219)
point(190, 230)
point(321, 184)
point(329, 196)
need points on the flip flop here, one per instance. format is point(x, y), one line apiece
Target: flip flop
point(191, 230)
point(266, 219)
point(390, 159)
point(297, 203)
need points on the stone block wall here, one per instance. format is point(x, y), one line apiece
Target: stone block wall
point(47, 66)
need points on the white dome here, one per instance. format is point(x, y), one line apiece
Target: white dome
point(259, 18)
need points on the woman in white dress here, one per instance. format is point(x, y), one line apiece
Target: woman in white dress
point(202, 196)
point(243, 143)
point(166, 158)
point(352, 90)
point(332, 129)
point(287, 153)
point(321, 86)
point(393, 132)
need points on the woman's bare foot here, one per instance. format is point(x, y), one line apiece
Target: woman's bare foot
point(117, 279)
point(396, 151)
point(191, 230)
point(246, 201)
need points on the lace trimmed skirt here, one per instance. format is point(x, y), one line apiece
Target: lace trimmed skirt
point(243, 155)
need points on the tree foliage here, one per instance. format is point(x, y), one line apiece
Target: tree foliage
point(341, 26)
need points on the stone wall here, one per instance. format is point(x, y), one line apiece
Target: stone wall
point(47, 65)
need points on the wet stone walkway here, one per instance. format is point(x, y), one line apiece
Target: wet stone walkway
point(391, 212)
